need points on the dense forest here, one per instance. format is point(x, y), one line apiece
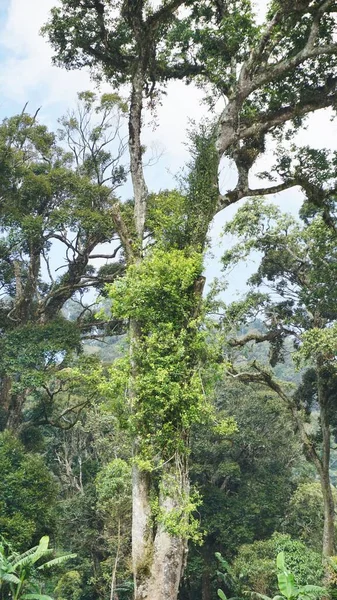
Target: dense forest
point(157, 440)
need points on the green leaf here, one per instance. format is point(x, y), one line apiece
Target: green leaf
point(10, 578)
point(18, 559)
point(280, 561)
point(286, 584)
point(222, 595)
point(43, 543)
point(313, 590)
point(56, 561)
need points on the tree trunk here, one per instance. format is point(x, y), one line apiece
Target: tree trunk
point(136, 153)
point(206, 592)
point(159, 554)
point(11, 406)
point(322, 468)
point(141, 522)
point(329, 508)
point(329, 517)
point(14, 414)
point(322, 464)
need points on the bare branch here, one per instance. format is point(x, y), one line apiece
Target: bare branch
point(164, 13)
point(107, 256)
point(265, 378)
point(237, 194)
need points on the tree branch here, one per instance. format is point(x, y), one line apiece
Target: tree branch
point(254, 337)
point(322, 97)
point(107, 256)
point(238, 193)
point(122, 231)
point(163, 13)
point(265, 378)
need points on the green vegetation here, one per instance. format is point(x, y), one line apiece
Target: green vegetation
point(171, 444)
point(19, 573)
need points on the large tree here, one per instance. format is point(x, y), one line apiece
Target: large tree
point(245, 480)
point(294, 292)
point(56, 195)
point(269, 75)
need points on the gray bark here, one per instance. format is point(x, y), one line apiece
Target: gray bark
point(160, 567)
point(136, 152)
point(158, 556)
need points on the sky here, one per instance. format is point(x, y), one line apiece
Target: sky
point(27, 75)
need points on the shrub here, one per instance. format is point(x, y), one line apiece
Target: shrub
point(255, 564)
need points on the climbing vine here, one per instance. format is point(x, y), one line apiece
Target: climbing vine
point(170, 362)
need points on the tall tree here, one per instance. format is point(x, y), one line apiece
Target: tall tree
point(263, 73)
point(245, 480)
point(297, 264)
point(56, 197)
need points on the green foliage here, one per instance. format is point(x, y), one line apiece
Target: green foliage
point(201, 185)
point(181, 520)
point(68, 586)
point(318, 343)
point(93, 513)
point(304, 519)
point(166, 218)
point(297, 265)
point(288, 586)
point(27, 493)
point(199, 43)
point(168, 392)
point(56, 188)
point(255, 564)
point(289, 250)
point(245, 479)
point(228, 577)
point(158, 289)
point(19, 573)
point(31, 353)
point(113, 482)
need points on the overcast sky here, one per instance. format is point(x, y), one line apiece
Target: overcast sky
point(27, 74)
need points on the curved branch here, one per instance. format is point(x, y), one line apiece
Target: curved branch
point(237, 194)
point(254, 337)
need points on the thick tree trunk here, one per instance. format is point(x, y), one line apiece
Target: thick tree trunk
point(136, 152)
point(141, 522)
point(159, 555)
point(158, 551)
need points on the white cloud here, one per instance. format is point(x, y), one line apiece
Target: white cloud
point(27, 68)
point(27, 73)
